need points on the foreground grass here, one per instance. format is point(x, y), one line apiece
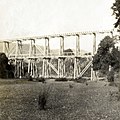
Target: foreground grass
point(19, 101)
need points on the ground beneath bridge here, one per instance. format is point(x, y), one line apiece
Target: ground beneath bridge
point(66, 101)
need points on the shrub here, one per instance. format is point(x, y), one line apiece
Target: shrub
point(113, 84)
point(30, 78)
point(42, 101)
point(115, 95)
point(61, 79)
point(80, 80)
point(71, 85)
point(41, 79)
point(110, 76)
point(43, 96)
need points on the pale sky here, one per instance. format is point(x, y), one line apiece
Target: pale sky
point(20, 18)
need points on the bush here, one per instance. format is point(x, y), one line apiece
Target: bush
point(110, 76)
point(80, 80)
point(115, 95)
point(113, 84)
point(42, 101)
point(41, 79)
point(30, 78)
point(61, 79)
point(71, 85)
point(43, 96)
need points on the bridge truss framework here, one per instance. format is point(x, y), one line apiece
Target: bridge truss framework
point(15, 53)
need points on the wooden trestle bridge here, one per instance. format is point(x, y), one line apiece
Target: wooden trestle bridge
point(14, 51)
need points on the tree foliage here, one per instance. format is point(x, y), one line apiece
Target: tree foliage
point(3, 65)
point(5, 68)
point(107, 55)
point(116, 12)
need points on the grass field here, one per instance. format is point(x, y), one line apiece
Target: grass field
point(19, 101)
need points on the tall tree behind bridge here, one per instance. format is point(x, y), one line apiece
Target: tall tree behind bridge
point(107, 55)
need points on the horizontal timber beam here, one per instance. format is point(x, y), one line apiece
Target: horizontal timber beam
point(58, 35)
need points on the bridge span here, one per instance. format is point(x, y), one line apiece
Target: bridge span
point(41, 62)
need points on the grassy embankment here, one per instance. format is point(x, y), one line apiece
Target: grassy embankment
point(19, 101)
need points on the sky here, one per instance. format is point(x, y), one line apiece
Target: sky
point(23, 18)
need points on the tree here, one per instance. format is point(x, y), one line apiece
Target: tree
point(102, 59)
point(107, 55)
point(3, 65)
point(5, 68)
point(115, 59)
point(10, 68)
point(116, 12)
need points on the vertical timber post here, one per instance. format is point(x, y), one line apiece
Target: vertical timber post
point(61, 67)
point(32, 59)
point(16, 62)
point(18, 59)
point(20, 75)
point(78, 49)
point(43, 70)
point(75, 64)
point(77, 53)
point(77, 44)
point(6, 48)
point(46, 59)
point(64, 67)
point(93, 53)
point(58, 68)
point(29, 62)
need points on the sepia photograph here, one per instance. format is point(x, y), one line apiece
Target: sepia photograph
point(59, 59)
